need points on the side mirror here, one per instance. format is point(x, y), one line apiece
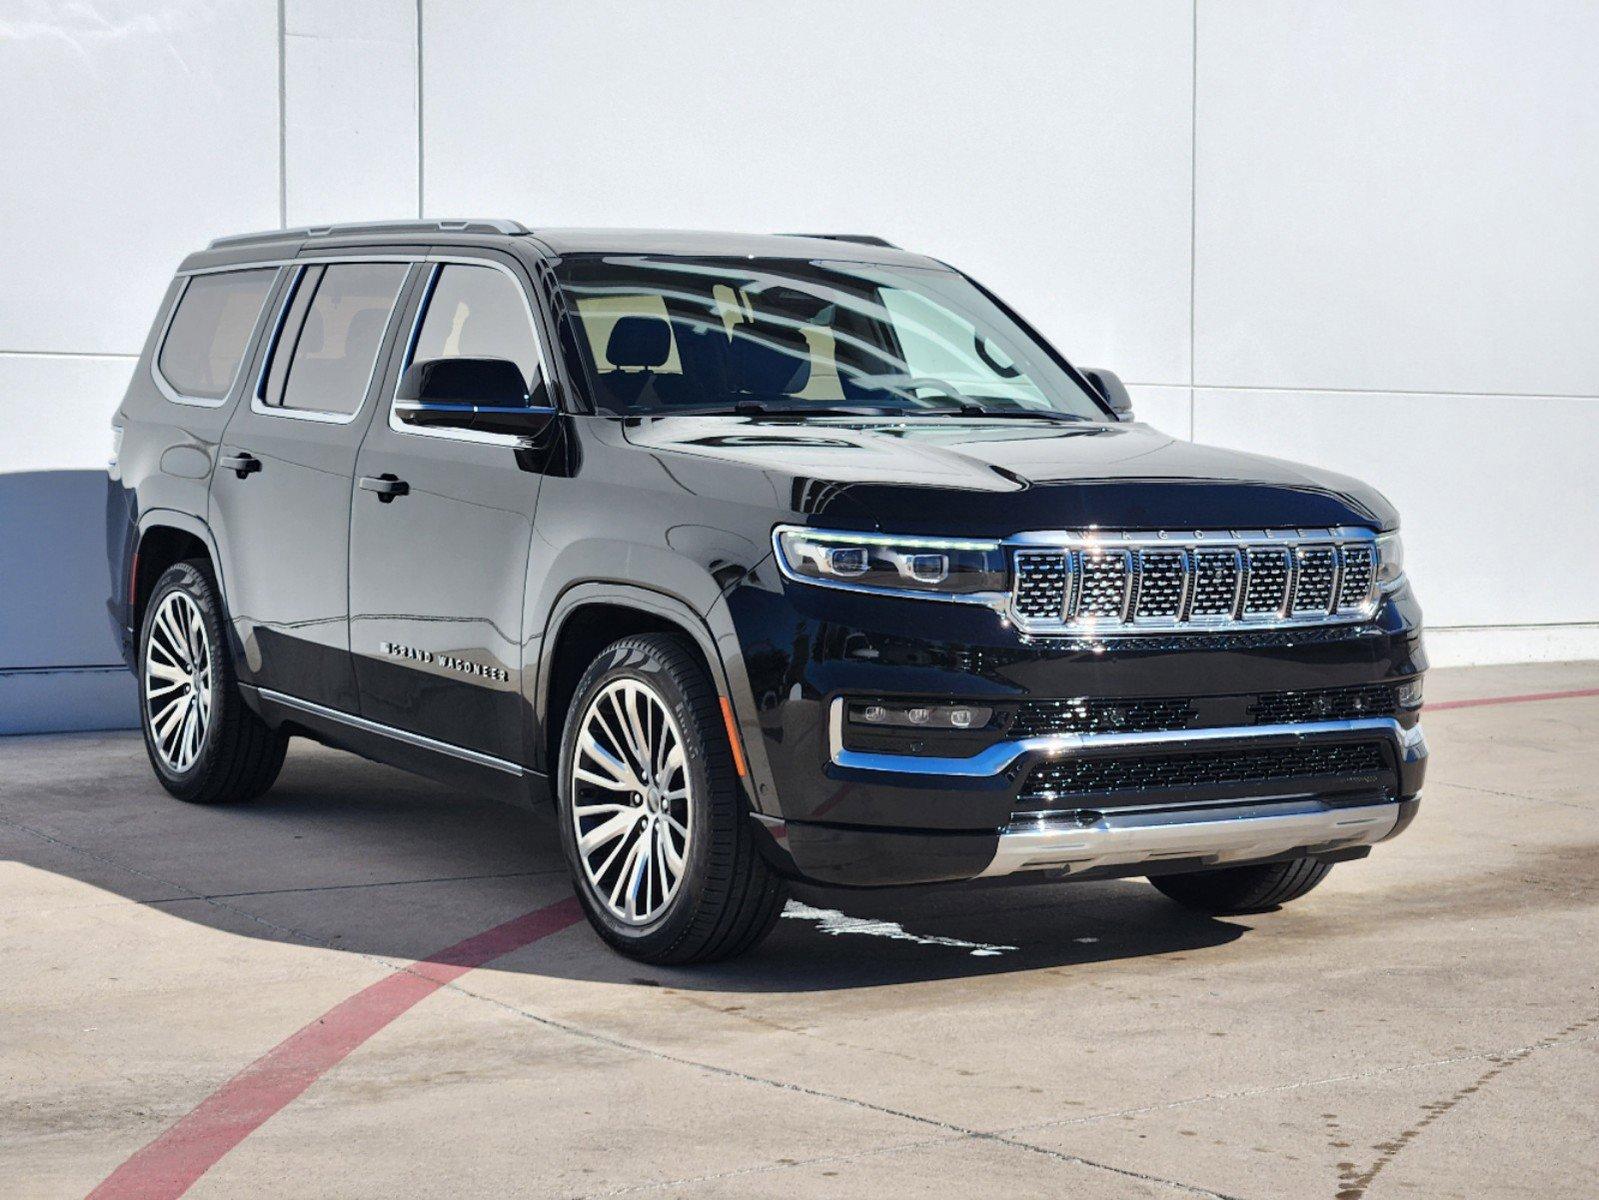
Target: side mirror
point(1112, 389)
point(487, 395)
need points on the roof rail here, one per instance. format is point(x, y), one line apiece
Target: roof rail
point(860, 239)
point(458, 225)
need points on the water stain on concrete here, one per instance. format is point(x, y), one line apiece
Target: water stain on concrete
point(1354, 1181)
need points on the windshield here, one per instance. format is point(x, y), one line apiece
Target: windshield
point(657, 333)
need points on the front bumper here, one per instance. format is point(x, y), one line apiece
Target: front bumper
point(864, 817)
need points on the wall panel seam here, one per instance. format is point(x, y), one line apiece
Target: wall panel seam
point(67, 354)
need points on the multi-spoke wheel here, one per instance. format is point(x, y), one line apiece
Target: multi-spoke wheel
point(631, 811)
point(654, 825)
point(177, 681)
point(205, 745)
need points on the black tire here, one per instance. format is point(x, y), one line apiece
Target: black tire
point(727, 897)
point(1230, 891)
point(239, 755)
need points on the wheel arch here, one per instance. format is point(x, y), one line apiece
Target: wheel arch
point(587, 618)
point(166, 536)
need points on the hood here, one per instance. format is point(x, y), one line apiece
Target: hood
point(993, 478)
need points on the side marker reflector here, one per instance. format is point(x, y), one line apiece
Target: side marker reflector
point(739, 764)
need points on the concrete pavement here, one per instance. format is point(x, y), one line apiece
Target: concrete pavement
point(1425, 1024)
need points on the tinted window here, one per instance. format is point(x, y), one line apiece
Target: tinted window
point(479, 312)
point(331, 336)
point(211, 329)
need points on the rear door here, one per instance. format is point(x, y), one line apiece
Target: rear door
point(438, 566)
point(280, 497)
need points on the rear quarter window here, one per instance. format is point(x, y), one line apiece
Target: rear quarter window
point(210, 331)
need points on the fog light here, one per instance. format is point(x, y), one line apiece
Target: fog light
point(1409, 693)
point(921, 716)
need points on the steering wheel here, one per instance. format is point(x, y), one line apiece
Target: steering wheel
point(1004, 371)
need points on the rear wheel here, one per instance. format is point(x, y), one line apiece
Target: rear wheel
point(654, 827)
point(1233, 890)
point(205, 745)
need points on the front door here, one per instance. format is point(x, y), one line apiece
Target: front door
point(440, 528)
point(280, 497)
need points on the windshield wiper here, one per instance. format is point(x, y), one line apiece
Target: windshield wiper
point(1014, 414)
point(759, 408)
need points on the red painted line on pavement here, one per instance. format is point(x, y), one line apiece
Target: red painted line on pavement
point(171, 1164)
point(1527, 699)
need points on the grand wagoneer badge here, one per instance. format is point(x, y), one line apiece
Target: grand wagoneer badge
point(450, 662)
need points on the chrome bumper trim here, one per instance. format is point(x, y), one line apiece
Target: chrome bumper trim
point(1410, 744)
point(1236, 833)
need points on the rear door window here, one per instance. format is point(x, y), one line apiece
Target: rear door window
point(331, 335)
point(211, 330)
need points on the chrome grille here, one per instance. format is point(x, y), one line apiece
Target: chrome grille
point(1315, 576)
point(1162, 584)
point(1217, 574)
point(1137, 582)
point(1103, 592)
point(1268, 580)
point(1040, 585)
point(1355, 585)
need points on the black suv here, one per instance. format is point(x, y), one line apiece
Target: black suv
point(758, 558)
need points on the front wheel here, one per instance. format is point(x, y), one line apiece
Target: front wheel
point(652, 821)
point(1230, 891)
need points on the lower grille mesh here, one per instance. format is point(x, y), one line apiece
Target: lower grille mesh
point(1327, 704)
point(1091, 776)
point(1044, 718)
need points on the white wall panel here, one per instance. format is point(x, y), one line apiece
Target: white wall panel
point(1492, 495)
point(350, 106)
point(1398, 196)
point(132, 134)
point(1043, 147)
point(57, 410)
point(1168, 409)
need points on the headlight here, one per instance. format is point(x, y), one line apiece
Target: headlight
point(948, 568)
point(1390, 560)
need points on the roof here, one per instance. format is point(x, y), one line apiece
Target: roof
point(244, 248)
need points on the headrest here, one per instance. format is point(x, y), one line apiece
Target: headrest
point(639, 341)
point(366, 330)
point(770, 359)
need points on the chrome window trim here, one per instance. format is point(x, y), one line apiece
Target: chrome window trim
point(438, 262)
point(254, 265)
point(401, 735)
point(258, 402)
point(1410, 744)
point(163, 385)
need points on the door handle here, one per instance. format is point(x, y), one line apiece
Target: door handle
point(386, 486)
point(241, 464)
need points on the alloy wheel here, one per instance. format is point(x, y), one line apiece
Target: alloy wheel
point(177, 682)
point(631, 804)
